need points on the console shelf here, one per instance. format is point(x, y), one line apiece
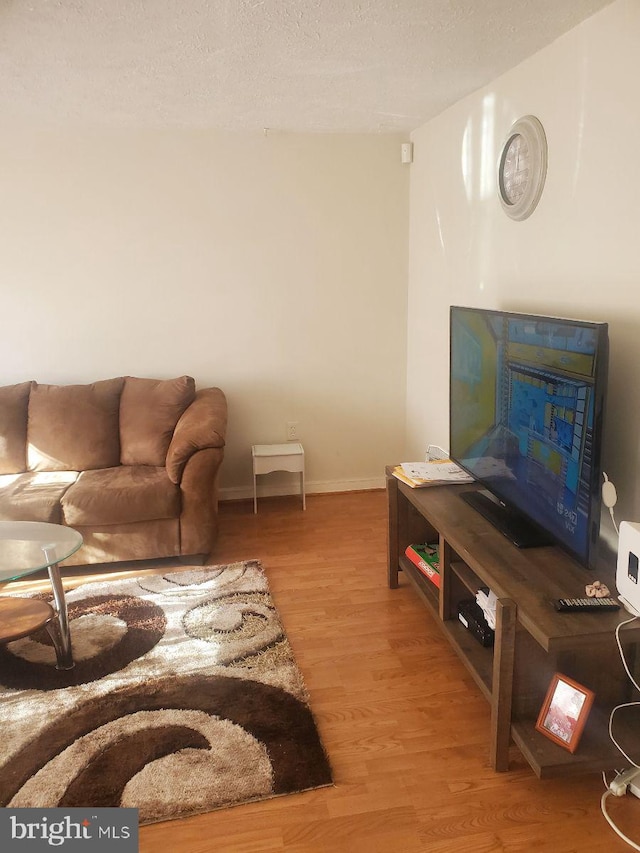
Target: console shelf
point(479, 660)
point(532, 640)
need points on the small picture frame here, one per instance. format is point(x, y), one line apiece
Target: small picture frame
point(564, 712)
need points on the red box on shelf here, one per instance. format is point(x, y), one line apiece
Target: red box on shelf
point(425, 557)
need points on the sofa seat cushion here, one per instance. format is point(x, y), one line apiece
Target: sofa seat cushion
point(74, 427)
point(34, 496)
point(121, 495)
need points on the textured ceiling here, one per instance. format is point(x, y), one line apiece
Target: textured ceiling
point(296, 65)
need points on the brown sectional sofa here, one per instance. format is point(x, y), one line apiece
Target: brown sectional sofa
point(131, 463)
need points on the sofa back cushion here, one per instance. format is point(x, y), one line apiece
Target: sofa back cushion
point(14, 400)
point(74, 427)
point(149, 412)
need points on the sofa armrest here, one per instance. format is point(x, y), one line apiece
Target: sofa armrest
point(199, 496)
point(203, 425)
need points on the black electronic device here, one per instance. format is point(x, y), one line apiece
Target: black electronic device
point(585, 605)
point(526, 414)
point(471, 616)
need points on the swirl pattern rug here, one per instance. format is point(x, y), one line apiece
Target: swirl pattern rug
point(185, 697)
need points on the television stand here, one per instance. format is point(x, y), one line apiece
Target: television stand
point(532, 640)
point(510, 523)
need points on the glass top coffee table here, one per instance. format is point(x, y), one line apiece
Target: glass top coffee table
point(29, 546)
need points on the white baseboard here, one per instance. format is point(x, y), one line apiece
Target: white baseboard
point(236, 493)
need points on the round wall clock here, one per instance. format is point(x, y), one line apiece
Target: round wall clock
point(522, 168)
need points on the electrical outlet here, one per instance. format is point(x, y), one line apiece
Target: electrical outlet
point(292, 430)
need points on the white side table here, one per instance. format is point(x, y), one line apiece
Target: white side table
point(277, 457)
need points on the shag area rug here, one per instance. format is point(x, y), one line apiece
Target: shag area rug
point(185, 697)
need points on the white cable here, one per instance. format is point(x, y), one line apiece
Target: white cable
point(613, 740)
point(614, 521)
point(610, 498)
point(624, 662)
point(612, 824)
point(619, 784)
point(633, 681)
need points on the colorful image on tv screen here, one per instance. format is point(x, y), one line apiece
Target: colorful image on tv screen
point(522, 412)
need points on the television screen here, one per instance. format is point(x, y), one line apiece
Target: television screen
point(526, 417)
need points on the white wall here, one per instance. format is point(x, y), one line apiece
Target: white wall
point(577, 255)
point(274, 266)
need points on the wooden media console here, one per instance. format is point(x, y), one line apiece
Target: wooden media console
point(532, 640)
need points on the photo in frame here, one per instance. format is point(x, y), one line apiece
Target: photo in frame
point(564, 712)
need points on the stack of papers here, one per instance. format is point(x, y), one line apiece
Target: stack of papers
point(436, 473)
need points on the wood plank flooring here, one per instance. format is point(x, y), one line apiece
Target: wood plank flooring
point(405, 727)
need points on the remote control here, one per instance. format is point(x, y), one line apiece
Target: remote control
point(574, 605)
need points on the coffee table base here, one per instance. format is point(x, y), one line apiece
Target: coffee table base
point(22, 617)
point(29, 546)
point(64, 652)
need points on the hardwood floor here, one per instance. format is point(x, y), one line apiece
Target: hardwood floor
point(404, 725)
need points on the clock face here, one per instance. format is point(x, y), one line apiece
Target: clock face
point(514, 174)
point(522, 168)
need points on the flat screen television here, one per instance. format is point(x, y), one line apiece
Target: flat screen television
point(526, 412)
